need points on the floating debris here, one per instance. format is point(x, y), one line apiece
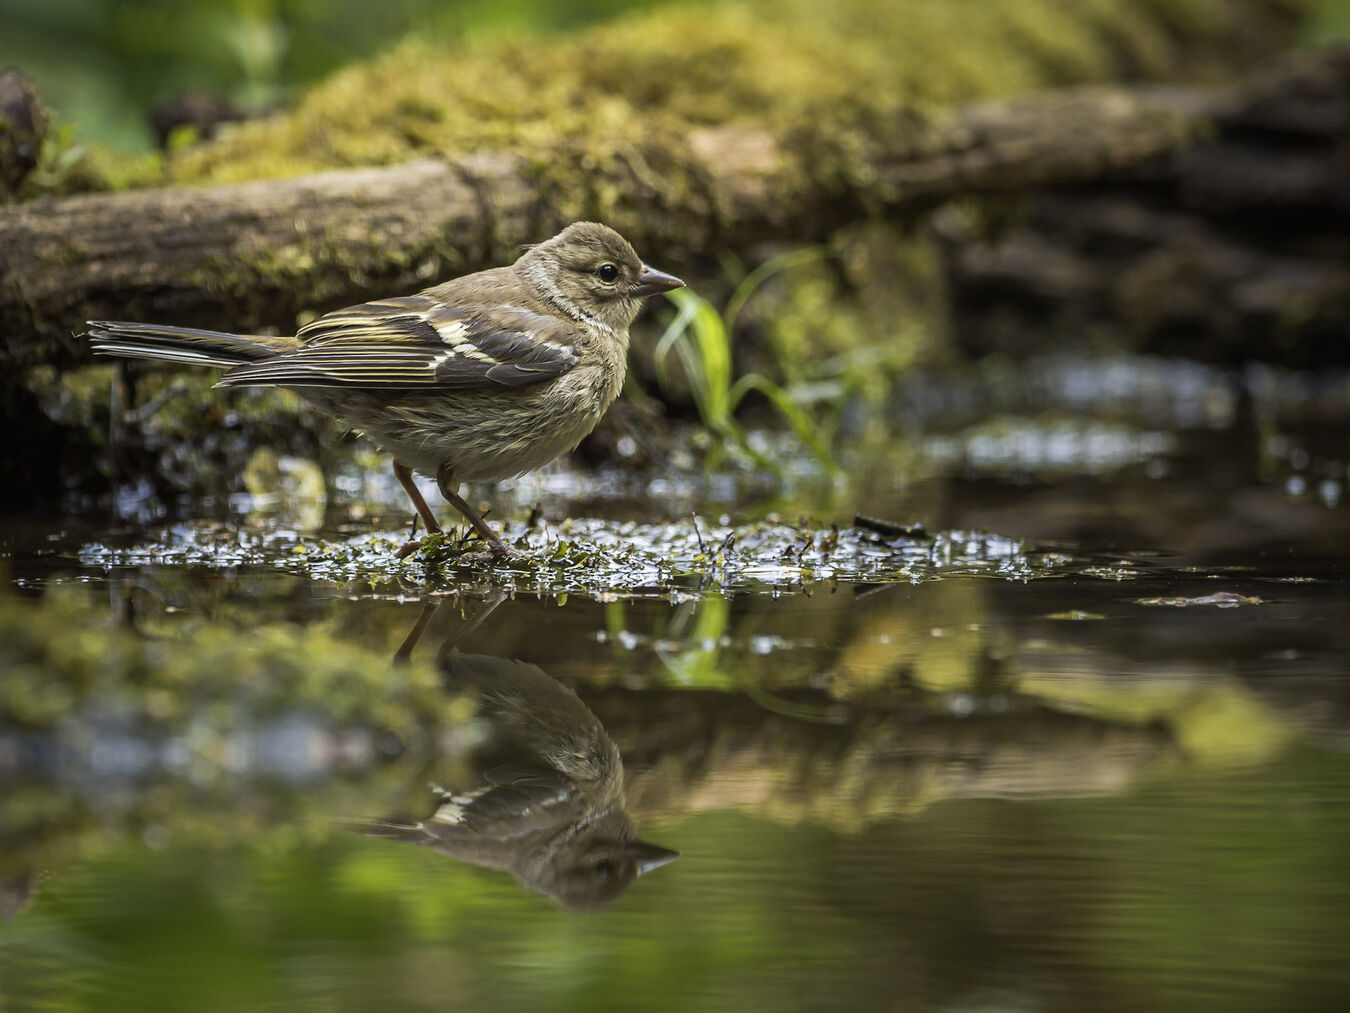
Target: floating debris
point(596, 557)
point(889, 528)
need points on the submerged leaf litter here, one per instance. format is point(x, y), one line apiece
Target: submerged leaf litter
point(608, 560)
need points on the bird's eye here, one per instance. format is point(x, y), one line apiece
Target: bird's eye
point(603, 869)
point(607, 272)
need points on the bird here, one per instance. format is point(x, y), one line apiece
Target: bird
point(537, 792)
point(481, 378)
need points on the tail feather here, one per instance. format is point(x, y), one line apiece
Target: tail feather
point(394, 828)
point(182, 344)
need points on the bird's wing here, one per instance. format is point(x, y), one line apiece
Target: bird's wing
point(420, 342)
point(512, 801)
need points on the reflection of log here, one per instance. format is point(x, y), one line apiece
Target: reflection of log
point(256, 254)
point(690, 751)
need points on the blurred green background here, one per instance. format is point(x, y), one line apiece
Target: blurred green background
point(104, 63)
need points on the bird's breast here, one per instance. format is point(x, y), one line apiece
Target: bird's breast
point(490, 435)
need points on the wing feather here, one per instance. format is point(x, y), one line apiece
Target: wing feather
point(420, 342)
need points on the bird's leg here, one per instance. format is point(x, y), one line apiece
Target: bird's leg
point(405, 649)
point(481, 613)
point(445, 481)
point(405, 478)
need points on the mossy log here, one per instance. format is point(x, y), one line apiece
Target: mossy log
point(256, 255)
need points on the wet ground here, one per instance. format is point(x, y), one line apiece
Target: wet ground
point(1078, 743)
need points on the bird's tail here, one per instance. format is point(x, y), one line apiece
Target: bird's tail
point(393, 828)
point(182, 344)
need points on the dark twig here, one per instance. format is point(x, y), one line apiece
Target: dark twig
point(889, 528)
point(703, 549)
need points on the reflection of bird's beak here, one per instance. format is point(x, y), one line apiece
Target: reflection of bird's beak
point(650, 856)
point(652, 281)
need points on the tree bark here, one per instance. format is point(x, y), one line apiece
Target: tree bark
point(254, 256)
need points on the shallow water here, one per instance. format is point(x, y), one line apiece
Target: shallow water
point(1085, 747)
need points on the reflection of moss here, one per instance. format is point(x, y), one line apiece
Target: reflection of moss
point(939, 645)
point(58, 657)
point(725, 752)
point(78, 688)
point(1216, 720)
point(251, 729)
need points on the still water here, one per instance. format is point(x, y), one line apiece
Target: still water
point(1084, 746)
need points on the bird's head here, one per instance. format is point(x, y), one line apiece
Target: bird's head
point(592, 274)
point(590, 870)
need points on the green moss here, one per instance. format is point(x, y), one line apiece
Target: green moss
point(633, 88)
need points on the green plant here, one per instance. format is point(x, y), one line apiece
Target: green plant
point(701, 339)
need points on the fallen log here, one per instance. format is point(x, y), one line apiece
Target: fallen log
point(256, 255)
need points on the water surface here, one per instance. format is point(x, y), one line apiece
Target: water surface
point(1082, 748)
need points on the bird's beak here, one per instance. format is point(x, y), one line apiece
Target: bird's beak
point(650, 856)
point(652, 281)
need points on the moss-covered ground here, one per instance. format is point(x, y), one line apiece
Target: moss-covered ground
point(636, 86)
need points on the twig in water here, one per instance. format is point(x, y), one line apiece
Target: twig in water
point(889, 528)
point(703, 549)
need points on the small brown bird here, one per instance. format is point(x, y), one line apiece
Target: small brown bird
point(481, 378)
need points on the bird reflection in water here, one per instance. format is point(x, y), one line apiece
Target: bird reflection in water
point(539, 794)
